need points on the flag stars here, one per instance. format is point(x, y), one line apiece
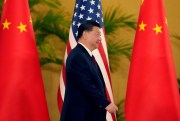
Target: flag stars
point(78, 24)
point(86, 10)
point(6, 24)
point(88, 18)
point(75, 14)
point(73, 23)
point(82, 7)
point(92, 2)
point(76, 33)
point(158, 29)
point(91, 10)
point(30, 20)
point(98, 15)
point(99, 7)
point(142, 26)
point(97, 21)
point(22, 27)
point(166, 21)
point(77, 5)
point(81, 16)
point(142, 1)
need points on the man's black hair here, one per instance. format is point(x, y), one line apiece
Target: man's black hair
point(87, 26)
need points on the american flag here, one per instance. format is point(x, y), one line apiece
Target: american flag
point(88, 10)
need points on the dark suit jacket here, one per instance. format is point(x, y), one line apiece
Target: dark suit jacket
point(85, 97)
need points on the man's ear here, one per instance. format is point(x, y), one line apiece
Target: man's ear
point(84, 34)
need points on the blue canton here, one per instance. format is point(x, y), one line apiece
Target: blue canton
point(86, 10)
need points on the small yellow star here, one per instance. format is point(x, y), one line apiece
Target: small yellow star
point(142, 2)
point(142, 26)
point(6, 24)
point(30, 19)
point(158, 29)
point(166, 21)
point(22, 27)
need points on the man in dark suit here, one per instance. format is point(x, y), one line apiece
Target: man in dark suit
point(85, 96)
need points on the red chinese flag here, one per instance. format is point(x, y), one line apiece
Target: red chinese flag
point(152, 90)
point(22, 96)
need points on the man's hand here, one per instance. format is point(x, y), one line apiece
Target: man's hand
point(111, 108)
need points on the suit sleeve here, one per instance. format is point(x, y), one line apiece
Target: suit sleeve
point(81, 72)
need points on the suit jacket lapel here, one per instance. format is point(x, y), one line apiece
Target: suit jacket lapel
point(96, 67)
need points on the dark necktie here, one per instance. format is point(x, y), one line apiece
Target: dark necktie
point(99, 70)
point(97, 66)
point(94, 60)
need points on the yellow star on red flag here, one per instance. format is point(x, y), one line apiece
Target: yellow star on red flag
point(17, 42)
point(166, 21)
point(142, 1)
point(30, 19)
point(151, 67)
point(6, 24)
point(158, 29)
point(142, 26)
point(22, 27)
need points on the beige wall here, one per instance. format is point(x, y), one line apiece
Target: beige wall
point(51, 72)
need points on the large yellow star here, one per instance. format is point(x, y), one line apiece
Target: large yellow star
point(6, 24)
point(142, 26)
point(22, 27)
point(158, 29)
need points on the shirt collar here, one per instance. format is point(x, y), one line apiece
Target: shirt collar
point(90, 53)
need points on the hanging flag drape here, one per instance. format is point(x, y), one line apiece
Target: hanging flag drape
point(152, 90)
point(22, 96)
point(88, 10)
